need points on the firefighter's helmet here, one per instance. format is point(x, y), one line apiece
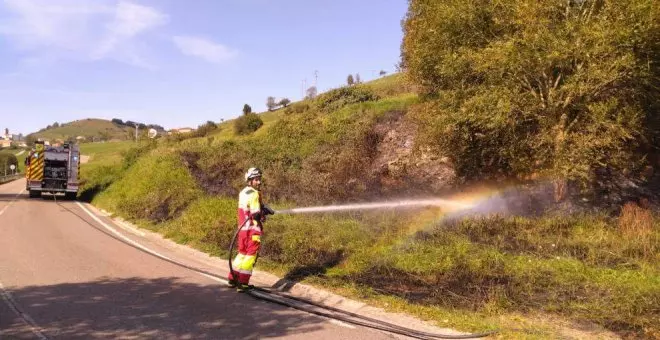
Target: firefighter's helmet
point(252, 173)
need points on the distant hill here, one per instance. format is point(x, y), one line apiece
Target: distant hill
point(88, 130)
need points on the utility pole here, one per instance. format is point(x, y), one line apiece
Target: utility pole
point(304, 87)
point(136, 132)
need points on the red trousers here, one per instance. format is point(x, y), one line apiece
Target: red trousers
point(249, 244)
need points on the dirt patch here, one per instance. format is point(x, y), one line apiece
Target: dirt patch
point(399, 166)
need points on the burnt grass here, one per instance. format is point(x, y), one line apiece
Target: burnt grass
point(215, 180)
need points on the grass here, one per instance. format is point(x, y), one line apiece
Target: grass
point(106, 152)
point(513, 273)
point(85, 127)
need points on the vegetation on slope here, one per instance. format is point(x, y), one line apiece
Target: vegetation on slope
point(487, 270)
point(562, 90)
point(92, 129)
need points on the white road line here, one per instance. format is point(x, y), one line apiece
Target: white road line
point(336, 322)
point(114, 231)
point(213, 277)
point(10, 203)
point(9, 300)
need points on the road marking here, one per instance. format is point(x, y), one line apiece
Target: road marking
point(114, 231)
point(128, 228)
point(333, 321)
point(213, 277)
point(9, 300)
point(10, 203)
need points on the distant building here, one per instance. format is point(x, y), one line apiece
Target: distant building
point(7, 135)
point(5, 143)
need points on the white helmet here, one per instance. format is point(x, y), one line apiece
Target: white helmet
point(252, 173)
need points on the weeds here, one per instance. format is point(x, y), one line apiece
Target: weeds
point(586, 267)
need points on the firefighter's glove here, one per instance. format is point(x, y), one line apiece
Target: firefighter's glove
point(258, 216)
point(266, 210)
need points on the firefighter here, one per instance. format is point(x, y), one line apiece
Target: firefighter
point(251, 215)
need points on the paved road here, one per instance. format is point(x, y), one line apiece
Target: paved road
point(67, 279)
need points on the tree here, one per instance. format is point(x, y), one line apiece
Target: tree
point(349, 80)
point(56, 125)
point(311, 93)
point(382, 73)
point(7, 159)
point(117, 121)
point(247, 124)
point(156, 127)
point(357, 78)
point(270, 103)
point(284, 102)
point(248, 109)
point(566, 89)
point(30, 140)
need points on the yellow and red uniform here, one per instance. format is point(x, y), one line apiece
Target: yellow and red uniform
point(249, 237)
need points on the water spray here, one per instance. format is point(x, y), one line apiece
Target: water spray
point(381, 205)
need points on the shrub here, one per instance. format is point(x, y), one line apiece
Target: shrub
point(157, 187)
point(636, 226)
point(338, 98)
point(6, 160)
point(297, 108)
point(247, 124)
point(131, 155)
point(514, 94)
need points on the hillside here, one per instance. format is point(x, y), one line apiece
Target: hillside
point(91, 129)
point(360, 143)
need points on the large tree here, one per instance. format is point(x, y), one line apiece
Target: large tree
point(247, 109)
point(565, 88)
point(270, 103)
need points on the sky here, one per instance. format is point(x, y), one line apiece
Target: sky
point(180, 63)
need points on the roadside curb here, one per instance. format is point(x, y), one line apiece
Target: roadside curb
point(265, 279)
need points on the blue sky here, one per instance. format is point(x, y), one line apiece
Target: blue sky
point(181, 62)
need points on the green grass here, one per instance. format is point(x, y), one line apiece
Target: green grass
point(515, 274)
point(85, 127)
point(105, 153)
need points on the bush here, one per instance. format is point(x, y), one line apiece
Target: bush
point(131, 155)
point(297, 108)
point(512, 93)
point(338, 98)
point(247, 124)
point(6, 160)
point(157, 187)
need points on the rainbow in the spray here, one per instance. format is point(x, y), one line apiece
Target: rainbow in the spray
point(437, 202)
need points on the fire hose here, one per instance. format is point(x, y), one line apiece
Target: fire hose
point(345, 316)
point(272, 296)
point(269, 295)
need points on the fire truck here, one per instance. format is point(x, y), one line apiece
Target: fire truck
point(53, 169)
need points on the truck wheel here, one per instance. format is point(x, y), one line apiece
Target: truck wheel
point(70, 196)
point(35, 193)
